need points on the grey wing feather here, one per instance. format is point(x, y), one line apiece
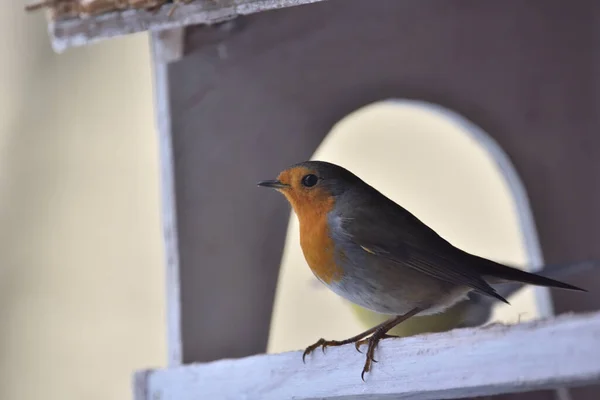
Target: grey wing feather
point(404, 239)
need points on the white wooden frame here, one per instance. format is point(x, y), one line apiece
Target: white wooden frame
point(542, 354)
point(167, 46)
point(82, 31)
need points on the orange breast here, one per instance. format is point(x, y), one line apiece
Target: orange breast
point(318, 247)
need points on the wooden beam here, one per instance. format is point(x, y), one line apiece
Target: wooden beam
point(74, 32)
point(497, 359)
point(166, 47)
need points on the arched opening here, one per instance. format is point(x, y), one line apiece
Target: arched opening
point(443, 169)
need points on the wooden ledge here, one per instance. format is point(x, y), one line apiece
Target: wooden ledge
point(544, 354)
point(72, 32)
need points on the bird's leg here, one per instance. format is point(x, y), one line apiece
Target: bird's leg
point(381, 333)
point(325, 343)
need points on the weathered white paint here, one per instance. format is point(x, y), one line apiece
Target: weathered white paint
point(543, 354)
point(79, 32)
point(165, 49)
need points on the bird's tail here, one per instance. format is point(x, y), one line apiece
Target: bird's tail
point(498, 273)
point(552, 271)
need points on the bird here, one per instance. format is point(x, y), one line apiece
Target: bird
point(475, 311)
point(376, 254)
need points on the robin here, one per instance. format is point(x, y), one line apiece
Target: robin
point(376, 254)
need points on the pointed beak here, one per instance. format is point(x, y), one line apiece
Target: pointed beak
point(273, 184)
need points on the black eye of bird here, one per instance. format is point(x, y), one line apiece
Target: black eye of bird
point(310, 180)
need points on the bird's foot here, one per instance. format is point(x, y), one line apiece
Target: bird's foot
point(378, 332)
point(373, 341)
point(323, 344)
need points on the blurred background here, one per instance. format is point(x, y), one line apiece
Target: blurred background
point(81, 259)
point(81, 255)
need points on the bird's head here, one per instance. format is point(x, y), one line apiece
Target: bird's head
point(313, 186)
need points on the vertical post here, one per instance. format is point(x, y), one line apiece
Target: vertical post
point(167, 46)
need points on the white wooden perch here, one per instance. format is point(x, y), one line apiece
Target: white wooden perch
point(544, 354)
point(81, 31)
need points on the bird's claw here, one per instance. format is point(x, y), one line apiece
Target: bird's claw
point(373, 342)
point(359, 343)
point(366, 368)
point(320, 343)
point(311, 348)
